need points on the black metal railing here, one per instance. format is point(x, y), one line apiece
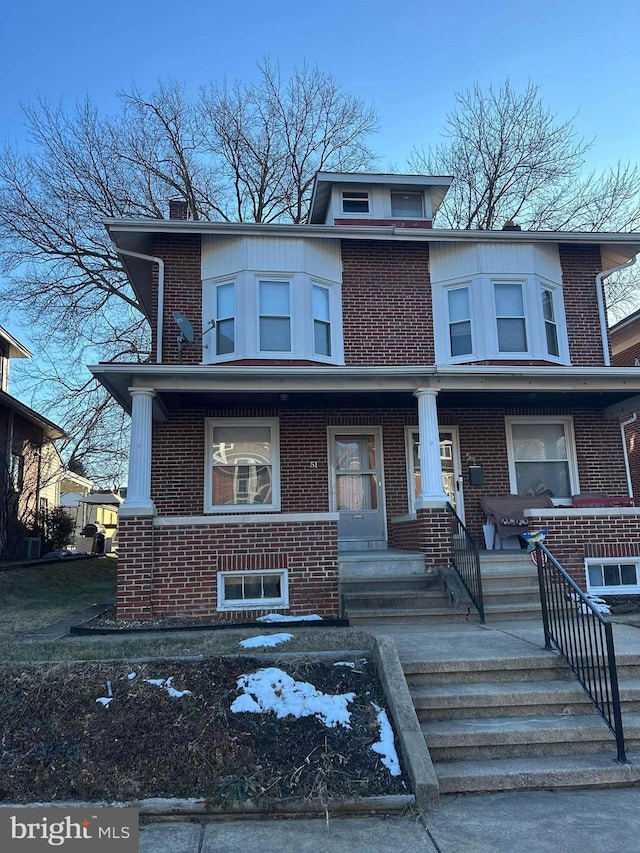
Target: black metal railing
point(466, 559)
point(583, 637)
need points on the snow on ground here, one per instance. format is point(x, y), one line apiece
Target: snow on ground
point(166, 684)
point(265, 640)
point(271, 689)
point(386, 746)
point(348, 663)
point(280, 617)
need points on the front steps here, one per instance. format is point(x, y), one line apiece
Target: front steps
point(510, 586)
point(520, 723)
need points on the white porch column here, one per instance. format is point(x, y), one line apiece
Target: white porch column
point(432, 492)
point(138, 501)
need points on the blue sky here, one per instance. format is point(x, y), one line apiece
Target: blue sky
point(405, 58)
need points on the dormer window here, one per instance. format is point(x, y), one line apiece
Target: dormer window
point(407, 205)
point(355, 202)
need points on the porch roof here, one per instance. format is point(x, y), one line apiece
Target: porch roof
point(614, 389)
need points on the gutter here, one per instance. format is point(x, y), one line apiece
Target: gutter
point(601, 307)
point(154, 260)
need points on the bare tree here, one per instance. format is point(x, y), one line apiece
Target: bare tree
point(244, 153)
point(514, 160)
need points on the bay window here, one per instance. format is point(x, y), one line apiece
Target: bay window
point(242, 465)
point(460, 337)
point(510, 317)
point(296, 316)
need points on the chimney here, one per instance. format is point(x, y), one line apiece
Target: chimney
point(511, 226)
point(178, 209)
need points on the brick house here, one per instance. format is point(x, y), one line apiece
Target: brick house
point(625, 352)
point(348, 380)
point(30, 464)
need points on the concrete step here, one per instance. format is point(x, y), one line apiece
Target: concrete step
point(471, 700)
point(512, 594)
point(412, 616)
point(509, 737)
point(520, 578)
point(540, 666)
point(353, 564)
point(421, 599)
point(513, 611)
point(396, 583)
point(535, 773)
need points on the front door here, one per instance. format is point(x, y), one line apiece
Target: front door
point(450, 462)
point(356, 486)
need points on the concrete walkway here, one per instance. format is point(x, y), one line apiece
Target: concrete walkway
point(533, 822)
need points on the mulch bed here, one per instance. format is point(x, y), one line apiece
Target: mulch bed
point(58, 743)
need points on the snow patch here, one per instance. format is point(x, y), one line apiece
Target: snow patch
point(166, 684)
point(265, 640)
point(271, 689)
point(280, 617)
point(386, 746)
point(348, 663)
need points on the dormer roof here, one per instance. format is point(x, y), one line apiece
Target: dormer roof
point(14, 347)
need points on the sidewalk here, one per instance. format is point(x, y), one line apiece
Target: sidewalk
point(531, 822)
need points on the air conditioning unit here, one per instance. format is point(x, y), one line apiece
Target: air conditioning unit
point(32, 547)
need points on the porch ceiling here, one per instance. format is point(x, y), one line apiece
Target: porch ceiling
point(185, 386)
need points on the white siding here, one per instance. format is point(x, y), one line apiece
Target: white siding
point(225, 256)
point(450, 261)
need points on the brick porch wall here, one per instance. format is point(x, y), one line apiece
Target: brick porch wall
point(177, 575)
point(428, 533)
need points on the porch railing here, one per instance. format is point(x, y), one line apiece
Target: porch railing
point(584, 638)
point(466, 559)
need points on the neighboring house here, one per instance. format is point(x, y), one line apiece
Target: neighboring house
point(625, 352)
point(29, 463)
point(351, 378)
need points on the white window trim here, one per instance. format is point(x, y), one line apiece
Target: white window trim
point(273, 424)
point(574, 482)
point(253, 603)
point(630, 589)
point(247, 319)
point(484, 331)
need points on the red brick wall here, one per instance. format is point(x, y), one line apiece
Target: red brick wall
point(580, 266)
point(172, 571)
point(182, 292)
point(428, 533)
point(386, 303)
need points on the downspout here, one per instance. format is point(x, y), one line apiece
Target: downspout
point(601, 309)
point(623, 426)
point(160, 317)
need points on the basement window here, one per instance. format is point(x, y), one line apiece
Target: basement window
point(253, 590)
point(613, 576)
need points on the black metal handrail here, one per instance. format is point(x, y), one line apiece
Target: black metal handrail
point(583, 638)
point(466, 559)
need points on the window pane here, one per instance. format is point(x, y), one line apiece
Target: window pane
point(225, 298)
point(225, 336)
point(552, 339)
point(628, 572)
point(406, 204)
point(596, 576)
point(611, 575)
point(460, 336)
point(274, 298)
point(509, 300)
point(355, 453)
point(547, 305)
point(233, 588)
point(512, 335)
point(320, 303)
point(275, 334)
point(321, 338)
point(540, 441)
point(241, 444)
point(253, 586)
point(272, 586)
point(550, 478)
point(356, 491)
point(458, 304)
point(241, 485)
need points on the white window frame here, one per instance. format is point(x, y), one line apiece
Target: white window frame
point(349, 195)
point(407, 216)
point(484, 330)
point(625, 589)
point(247, 317)
point(253, 603)
point(273, 424)
point(215, 319)
point(270, 353)
point(572, 461)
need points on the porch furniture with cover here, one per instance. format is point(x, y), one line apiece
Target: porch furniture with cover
point(505, 512)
